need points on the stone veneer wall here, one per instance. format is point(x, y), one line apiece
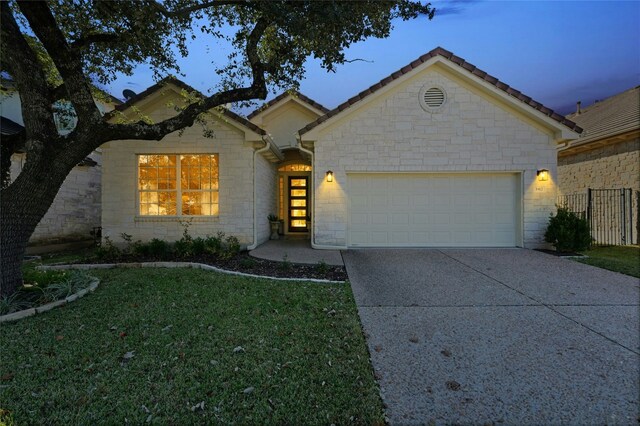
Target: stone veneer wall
point(611, 166)
point(76, 208)
point(469, 133)
point(266, 196)
point(119, 195)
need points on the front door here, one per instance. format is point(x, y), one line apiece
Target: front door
point(298, 203)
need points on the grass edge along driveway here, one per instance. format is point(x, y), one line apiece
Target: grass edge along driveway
point(187, 346)
point(623, 259)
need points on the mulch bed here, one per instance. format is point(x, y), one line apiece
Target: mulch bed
point(247, 264)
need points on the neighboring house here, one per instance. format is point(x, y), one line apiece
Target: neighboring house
point(76, 209)
point(437, 154)
point(607, 155)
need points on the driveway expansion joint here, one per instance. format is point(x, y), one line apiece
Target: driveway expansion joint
point(546, 305)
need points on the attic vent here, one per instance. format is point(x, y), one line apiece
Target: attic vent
point(432, 98)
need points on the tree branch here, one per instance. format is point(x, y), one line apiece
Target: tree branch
point(258, 89)
point(24, 67)
point(85, 41)
point(67, 62)
point(187, 10)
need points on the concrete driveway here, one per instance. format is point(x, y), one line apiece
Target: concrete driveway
point(508, 336)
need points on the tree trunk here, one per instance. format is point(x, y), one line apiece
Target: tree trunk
point(22, 206)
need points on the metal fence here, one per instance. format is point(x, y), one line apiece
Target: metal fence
point(612, 214)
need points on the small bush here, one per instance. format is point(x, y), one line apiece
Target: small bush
point(107, 251)
point(182, 248)
point(213, 245)
point(322, 267)
point(198, 246)
point(158, 248)
point(231, 247)
point(247, 263)
point(568, 232)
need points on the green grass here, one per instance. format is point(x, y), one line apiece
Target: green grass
point(303, 354)
point(623, 259)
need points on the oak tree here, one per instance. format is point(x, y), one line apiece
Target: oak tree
point(57, 51)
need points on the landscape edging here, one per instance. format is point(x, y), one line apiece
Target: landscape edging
point(25, 313)
point(193, 265)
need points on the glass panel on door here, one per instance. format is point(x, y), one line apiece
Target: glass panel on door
point(298, 199)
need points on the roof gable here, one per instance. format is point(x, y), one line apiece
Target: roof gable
point(464, 69)
point(285, 97)
point(236, 120)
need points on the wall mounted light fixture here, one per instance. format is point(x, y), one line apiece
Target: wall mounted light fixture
point(329, 176)
point(543, 174)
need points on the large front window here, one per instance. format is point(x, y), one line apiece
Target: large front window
point(178, 185)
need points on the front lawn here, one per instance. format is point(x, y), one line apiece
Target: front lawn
point(183, 346)
point(623, 259)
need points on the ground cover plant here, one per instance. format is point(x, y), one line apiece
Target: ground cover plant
point(41, 287)
point(623, 259)
point(182, 346)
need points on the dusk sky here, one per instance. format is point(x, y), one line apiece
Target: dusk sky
point(557, 52)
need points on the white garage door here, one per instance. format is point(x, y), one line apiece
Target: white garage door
point(434, 210)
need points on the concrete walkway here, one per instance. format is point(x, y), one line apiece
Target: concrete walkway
point(297, 251)
point(499, 336)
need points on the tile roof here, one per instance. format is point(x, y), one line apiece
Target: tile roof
point(615, 115)
point(458, 61)
point(181, 84)
point(283, 95)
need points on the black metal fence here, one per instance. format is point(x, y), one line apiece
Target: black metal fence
point(612, 214)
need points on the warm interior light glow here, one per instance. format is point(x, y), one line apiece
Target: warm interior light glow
point(178, 185)
point(329, 176)
point(543, 174)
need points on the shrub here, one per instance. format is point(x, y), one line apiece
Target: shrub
point(247, 263)
point(182, 248)
point(231, 248)
point(107, 251)
point(213, 245)
point(198, 246)
point(158, 248)
point(568, 232)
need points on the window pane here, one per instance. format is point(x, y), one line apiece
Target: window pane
point(298, 192)
point(299, 223)
point(158, 181)
point(298, 203)
point(298, 213)
point(298, 182)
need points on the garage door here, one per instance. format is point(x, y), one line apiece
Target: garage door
point(434, 210)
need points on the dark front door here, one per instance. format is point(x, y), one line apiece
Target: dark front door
point(298, 203)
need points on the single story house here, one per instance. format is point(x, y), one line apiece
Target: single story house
point(75, 211)
point(438, 154)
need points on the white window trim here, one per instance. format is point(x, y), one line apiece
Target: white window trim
point(169, 218)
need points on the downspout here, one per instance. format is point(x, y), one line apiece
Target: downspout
point(313, 216)
point(266, 147)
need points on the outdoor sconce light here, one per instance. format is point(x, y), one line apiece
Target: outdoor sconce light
point(543, 175)
point(329, 176)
